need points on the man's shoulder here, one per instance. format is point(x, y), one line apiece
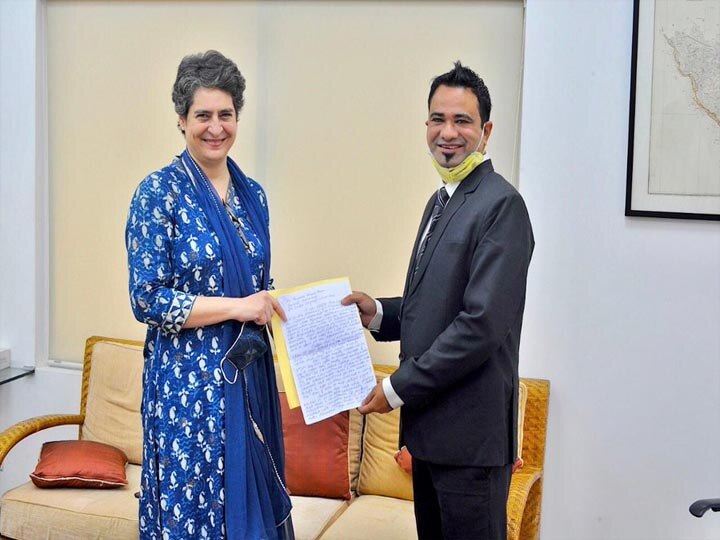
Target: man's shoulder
point(493, 188)
point(495, 196)
point(495, 182)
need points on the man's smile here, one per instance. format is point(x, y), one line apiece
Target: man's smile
point(450, 147)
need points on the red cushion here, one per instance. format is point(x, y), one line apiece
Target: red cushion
point(80, 464)
point(316, 456)
point(404, 460)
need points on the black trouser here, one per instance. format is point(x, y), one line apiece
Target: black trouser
point(460, 503)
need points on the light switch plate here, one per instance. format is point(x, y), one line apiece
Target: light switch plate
point(4, 358)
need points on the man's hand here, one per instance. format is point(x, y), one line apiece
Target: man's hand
point(375, 402)
point(365, 304)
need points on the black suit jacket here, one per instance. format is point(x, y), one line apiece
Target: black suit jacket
point(459, 323)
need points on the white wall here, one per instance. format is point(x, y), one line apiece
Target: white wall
point(22, 259)
point(48, 391)
point(18, 179)
point(623, 314)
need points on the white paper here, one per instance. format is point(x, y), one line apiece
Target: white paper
point(327, 349)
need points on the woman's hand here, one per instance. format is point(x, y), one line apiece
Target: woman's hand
point(258, 308)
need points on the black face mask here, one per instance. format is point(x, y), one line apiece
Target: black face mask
point(249, 346)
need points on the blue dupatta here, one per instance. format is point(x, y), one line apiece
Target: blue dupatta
point(257, 505)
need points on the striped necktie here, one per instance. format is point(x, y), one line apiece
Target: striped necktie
point(441, 201)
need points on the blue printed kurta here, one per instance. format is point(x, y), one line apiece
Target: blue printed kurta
point(173, 256)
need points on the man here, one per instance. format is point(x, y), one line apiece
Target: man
point(458, 323)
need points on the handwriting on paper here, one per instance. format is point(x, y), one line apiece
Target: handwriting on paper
point(327, 349)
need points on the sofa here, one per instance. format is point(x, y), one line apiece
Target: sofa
point(343, 478)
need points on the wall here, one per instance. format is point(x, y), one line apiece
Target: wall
point(335, 136)
point(622, 313)
point(48, 391)
point(22, 259)
point(111, 66)
point(20, 253)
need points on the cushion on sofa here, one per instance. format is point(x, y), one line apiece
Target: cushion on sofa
point(379, 472)
point(316, 456)
point(80, 464)
point(378, 518)
point(404, 460)
point(112, 414)
point(33, 514)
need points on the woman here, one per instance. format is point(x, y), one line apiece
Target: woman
point(199, 257)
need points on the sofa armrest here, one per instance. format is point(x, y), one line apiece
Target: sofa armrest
point(535, 422)
point(519, 500)
point(16, 433)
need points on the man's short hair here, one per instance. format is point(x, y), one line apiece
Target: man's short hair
point(464, 77)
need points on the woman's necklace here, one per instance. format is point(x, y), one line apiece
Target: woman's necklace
point(218, 183)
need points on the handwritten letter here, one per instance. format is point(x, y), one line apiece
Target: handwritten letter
point(326, 346)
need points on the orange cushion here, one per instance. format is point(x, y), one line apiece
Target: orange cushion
point(80, 464)
point(316, 456)
point(404, 460)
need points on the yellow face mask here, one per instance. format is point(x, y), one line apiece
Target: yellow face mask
point(459, 172)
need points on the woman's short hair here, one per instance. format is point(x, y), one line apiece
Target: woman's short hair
point(210, 69)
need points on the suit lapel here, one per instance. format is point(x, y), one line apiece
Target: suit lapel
point(466, 187)
point(413, 255)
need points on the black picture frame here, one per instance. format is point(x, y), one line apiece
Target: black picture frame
point(630, 210)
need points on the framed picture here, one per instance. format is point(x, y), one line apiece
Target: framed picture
point(673, 166)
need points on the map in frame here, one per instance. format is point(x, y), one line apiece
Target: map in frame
point(685, 108)
point(673, 165)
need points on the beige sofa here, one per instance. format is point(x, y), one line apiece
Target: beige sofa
point(380, 506)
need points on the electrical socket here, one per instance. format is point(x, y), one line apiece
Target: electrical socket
point(4, 358)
